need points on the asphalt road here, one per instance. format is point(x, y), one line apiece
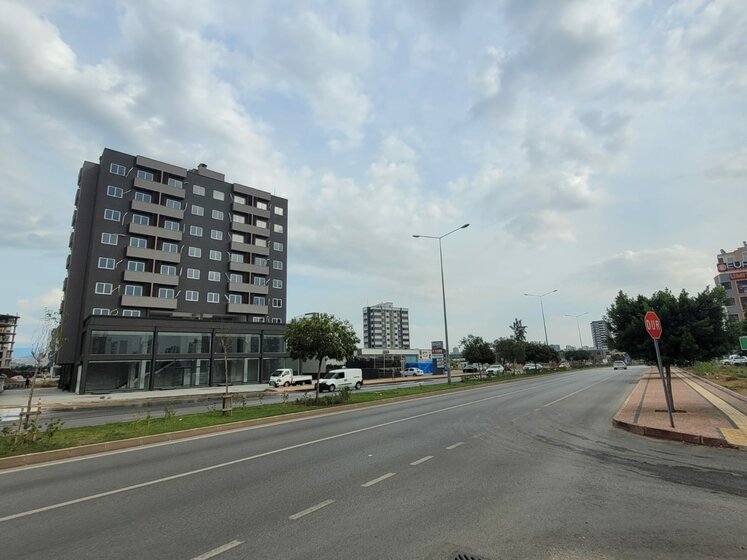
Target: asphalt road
point(530, 469)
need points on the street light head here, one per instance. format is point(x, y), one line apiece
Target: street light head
point(416, 236)
point(553, 291)
point(465, 226)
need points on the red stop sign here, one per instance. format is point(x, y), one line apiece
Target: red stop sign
point(653, 325)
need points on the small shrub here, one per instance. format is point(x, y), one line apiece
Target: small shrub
point(169, 413)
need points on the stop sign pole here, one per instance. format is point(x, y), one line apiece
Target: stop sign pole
point(654, 329)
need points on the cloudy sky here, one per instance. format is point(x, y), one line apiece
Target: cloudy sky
point(592, 146)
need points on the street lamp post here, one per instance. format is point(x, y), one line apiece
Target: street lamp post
point(542, 308)
point(443, 292)
point(580, 341)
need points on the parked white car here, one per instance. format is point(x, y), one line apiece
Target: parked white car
point(494, 369)
point(735, 360)
point(533, 367)
point(412, 371)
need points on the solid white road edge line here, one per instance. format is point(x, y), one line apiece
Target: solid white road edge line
point(423, 460)
point(219, 550)
point(457, 444)
point(377, 480)
point(312, 509)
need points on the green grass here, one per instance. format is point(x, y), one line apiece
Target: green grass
point(146, 426)
point(731, 377)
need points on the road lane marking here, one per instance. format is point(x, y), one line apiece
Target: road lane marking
point(312, 509)
point(577, 392)
point(423, 460)
point(457, 444)
point(377, 480)
point(736, 436)
point(219, 550)
point(257, 456)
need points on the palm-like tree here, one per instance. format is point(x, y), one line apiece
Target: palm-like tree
point(520, 330)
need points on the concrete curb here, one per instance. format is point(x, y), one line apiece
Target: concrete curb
point(94, 448)
point(671, 435)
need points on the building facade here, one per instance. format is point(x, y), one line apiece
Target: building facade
point(8, 325)
point(599, 334)
point(732, 276)
point(386, 326)
point(169, 267)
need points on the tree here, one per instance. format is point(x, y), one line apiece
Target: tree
point(475, 350)
point(695, 327)
point(520, 331)
point(577, 355)
point(509, 350)
point(319, 337)
point(540, 352)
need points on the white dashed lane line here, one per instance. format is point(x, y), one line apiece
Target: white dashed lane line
point(312, 509)
point(457, 444)
point(216, 551)
point(423, 460)
point(377, 480)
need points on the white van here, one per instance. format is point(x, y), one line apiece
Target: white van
point(339, 378)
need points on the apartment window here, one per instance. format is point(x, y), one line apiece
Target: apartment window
point(217, 215)
point(260, 242)
point(166, 293)
point(100, 311)
point(171, 225)
point(235, 278)
point(191, 295)
point(106, 263)
point(193, 273)
point(262, 205)
point(277, 284)
point(277, 265)
point(239, 199)
point(115, 192)
point(277, 302)
point(258, 319)
point(131, 290)
point(143, 174)
point(118, 169)
point(215, 234)
point(239, 218)
point(170, 247)
point(198, 190)
point(113, 215)
point(198, 210)
point(139, 242)
point(218, 195)
point(279, 210)
point(175, 204)
point(277, 228)
point(215, 255)
point(237, 257)
point(194, 252)
point(140, 219)
point(238, 237)
point(258, 300)
point(260, 281)
point(136, 266)
point(260, 261)
point(130, 313)
point(104, 288)
point(168, 270)
point(277, 246)
point(176, 183)
point(109, 238)
point(143, 197)
point(276, 320)
point(261, 223)
point(234, 298)
point(214, 276)
point(213, 297)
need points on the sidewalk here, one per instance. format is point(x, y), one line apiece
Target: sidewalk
point(55, 399)
point(705, 413)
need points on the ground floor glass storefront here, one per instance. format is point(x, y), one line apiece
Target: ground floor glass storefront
point(140, 361)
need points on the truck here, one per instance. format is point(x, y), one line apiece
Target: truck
point(285, 377)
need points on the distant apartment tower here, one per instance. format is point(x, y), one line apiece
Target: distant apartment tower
point(599, 334)
point(8, 325)
point(169, 268)
point(732, 276)
point(386, 326)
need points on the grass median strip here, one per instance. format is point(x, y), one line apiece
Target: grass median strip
point(49, 440)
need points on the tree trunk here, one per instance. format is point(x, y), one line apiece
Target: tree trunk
point(23, 423)
point(318, 376)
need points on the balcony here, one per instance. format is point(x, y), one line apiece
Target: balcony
point(174, 192)
point(248, 288)
point(151, 302)
point(153, 231)
point(150, 278)
point(247, 308)
point(247, 228)
point(247, 267)
point(150, 208)
point(142, 161)
point(251, 210)
point(153, 254)
point(239, 247)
